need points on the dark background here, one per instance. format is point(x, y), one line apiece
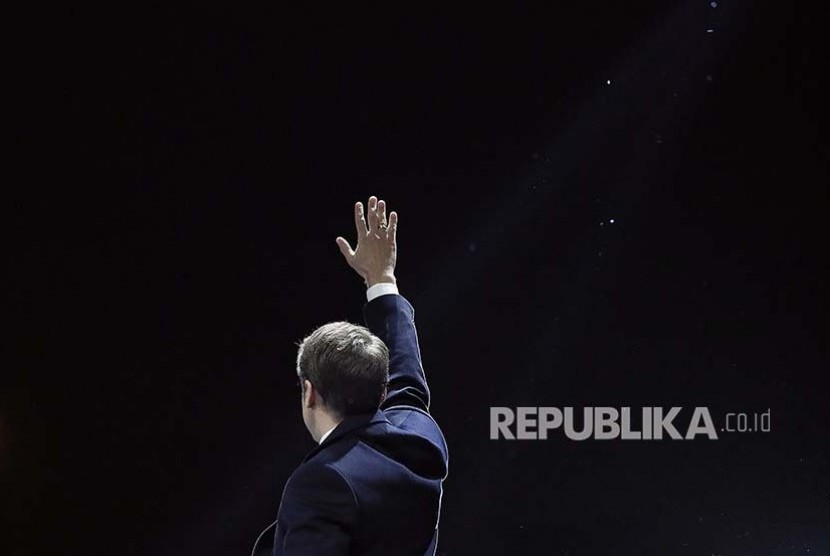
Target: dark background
point(173, 237)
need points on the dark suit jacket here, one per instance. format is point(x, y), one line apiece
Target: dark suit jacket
point(373, 487)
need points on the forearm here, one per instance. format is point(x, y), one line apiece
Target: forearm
point(392, 319)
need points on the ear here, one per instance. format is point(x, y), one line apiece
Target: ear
point(310, 395)
point(383, 396)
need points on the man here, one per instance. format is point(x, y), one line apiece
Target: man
point(373, 485)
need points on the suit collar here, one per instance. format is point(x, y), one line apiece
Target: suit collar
point(347, 425)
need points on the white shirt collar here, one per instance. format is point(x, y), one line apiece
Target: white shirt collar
point(326, 434)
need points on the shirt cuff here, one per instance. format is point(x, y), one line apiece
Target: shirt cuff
point(383, 288)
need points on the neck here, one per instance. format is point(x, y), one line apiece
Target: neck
point(325, 423)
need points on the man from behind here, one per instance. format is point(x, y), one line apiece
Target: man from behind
point(373, 484)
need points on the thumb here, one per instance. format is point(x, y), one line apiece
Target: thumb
point(345, 248)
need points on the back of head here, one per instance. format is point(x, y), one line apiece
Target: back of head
point(348, 366)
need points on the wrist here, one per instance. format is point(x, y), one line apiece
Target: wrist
point(385, 278)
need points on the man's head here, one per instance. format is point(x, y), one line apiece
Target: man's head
point(343, 370)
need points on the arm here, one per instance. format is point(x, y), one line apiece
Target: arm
point(390, 317)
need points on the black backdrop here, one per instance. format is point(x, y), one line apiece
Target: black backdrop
point(602, 204)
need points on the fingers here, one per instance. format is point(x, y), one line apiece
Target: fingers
point(359, 220)
point(345, 248)
point(375, 219)
point(381, 213)
point(373, 215)
point(393, 226)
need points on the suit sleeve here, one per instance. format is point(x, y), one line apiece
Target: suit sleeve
point(392, 319)
point(320, 510)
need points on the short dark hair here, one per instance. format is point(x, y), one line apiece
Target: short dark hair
point(348, 366)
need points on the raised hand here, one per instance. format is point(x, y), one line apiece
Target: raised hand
point(376, 253)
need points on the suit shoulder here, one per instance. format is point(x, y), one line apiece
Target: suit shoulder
point(411, 417)
point(416, 421)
